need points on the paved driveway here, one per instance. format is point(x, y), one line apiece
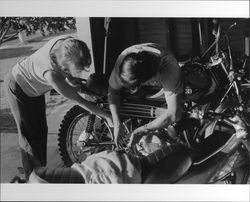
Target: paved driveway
point(10, 153)
point(10, 53)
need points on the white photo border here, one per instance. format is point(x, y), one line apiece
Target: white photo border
point(139, 8)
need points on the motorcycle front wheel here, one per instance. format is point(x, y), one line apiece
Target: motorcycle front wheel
point(74, 123)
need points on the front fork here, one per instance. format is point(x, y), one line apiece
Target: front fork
point(85, 134)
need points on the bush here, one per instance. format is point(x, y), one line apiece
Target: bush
point(32, 24)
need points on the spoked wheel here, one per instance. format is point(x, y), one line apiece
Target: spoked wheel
point(82, 134)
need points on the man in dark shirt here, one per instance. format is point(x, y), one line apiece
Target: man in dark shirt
point(146, 64)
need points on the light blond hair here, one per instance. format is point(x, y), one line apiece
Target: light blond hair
point(76, 51)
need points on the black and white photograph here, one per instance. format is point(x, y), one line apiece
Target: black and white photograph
point(124, 99)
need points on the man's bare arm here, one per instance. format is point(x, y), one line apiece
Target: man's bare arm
point(61, 86)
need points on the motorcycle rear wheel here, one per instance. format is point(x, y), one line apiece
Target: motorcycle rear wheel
point(74, 122)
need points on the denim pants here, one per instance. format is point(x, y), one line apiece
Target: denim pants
point(30, 117)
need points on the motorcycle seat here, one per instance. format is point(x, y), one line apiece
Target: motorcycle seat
point(165, 166)
point(169, 169)
point(55, 175)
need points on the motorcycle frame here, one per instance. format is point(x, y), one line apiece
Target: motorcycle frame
point(143, 110)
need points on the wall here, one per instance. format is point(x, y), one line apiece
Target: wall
point(180, 35)
point(84, 33)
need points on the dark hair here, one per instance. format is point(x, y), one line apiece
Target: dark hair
point(137, 68)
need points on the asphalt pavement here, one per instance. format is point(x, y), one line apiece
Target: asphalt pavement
point(10, 152)
point(10, 53)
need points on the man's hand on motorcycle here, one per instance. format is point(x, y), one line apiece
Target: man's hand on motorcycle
point(119, 141)
point(120, 137)
point(136, 135)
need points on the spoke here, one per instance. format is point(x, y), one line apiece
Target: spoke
point(78, 131)
point(81, 124)
point(100, 134)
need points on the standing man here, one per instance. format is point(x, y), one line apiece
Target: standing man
point(57, 65)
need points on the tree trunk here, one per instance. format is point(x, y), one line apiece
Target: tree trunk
point(3, 33)
point(21, 37)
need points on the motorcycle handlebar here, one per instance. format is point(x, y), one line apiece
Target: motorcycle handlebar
point(216, 31)
point(231, 26)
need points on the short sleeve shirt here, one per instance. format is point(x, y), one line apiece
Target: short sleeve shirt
point(29, 73)
point(168, 74)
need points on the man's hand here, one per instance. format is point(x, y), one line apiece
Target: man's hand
point(118, 140)
point(121, 136)
point(118, 134)
point(136, 135)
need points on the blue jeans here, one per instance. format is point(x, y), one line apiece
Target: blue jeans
point(30, 117)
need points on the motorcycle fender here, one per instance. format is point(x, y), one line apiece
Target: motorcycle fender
point(204, 172)
point(213, 169)
point(210, 128)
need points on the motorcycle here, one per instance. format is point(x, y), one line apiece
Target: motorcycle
point(214, 126)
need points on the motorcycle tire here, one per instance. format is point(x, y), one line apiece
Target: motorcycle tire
point(74, 122)
point(239, 175)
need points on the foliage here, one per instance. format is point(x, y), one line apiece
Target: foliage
point(46, 25)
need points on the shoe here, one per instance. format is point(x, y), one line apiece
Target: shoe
point(17, 180)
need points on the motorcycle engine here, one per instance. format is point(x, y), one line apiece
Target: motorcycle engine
point(197, 82)
point(197, 113)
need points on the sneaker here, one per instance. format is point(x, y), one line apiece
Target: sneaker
point(16, 179)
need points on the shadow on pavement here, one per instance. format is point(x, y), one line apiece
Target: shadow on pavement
point(38, 40)
point(16, 52)
point(7, 122)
